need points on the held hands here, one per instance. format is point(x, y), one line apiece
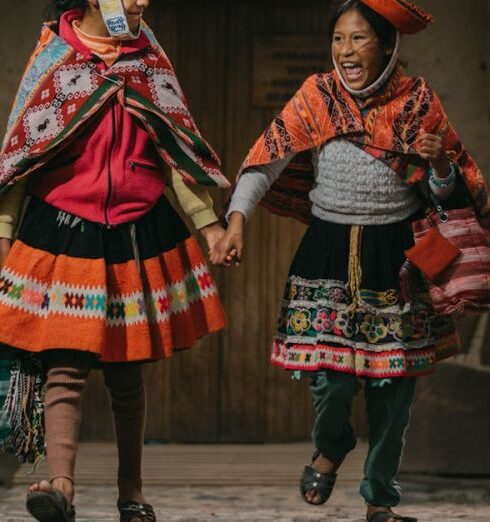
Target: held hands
point(429, 147)
point(230, 247)
point(212, 234)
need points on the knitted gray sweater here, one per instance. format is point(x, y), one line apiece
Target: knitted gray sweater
point(351, 187)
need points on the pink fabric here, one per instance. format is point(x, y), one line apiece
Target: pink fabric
point(112, 173)
point(464, 286)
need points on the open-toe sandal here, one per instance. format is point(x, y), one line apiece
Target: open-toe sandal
point(128, 511)
point(321, 484)
point(384, 516)
point(49, 506)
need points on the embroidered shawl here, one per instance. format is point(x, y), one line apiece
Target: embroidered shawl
point(387, 126)
point(61, 91)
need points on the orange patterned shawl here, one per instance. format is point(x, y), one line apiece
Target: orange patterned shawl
point(386, 126)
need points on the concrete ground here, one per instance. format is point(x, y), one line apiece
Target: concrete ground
point(440, 501)
point(246, 484)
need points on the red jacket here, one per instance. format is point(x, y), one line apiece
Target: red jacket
point(112, 173)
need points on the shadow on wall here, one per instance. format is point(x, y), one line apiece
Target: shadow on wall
point(449, 433)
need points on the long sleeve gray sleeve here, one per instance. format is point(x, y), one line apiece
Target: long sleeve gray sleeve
point(252, 186)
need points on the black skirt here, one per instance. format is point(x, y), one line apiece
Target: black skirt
point(342, 307)
point(130, 293)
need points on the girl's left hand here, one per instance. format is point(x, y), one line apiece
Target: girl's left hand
point(212, 234)
point(5, 245)
point(429, 147)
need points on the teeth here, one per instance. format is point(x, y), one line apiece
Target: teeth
point(352, 71)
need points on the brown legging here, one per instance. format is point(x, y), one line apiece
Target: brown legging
point(63, 407)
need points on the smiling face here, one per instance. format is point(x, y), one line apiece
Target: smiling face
point(134, 12)
point(357, 51)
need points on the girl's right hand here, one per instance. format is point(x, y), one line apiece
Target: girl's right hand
point(230, 247)
point(5, 245)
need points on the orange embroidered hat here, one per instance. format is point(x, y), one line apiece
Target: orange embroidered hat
point(407, 17)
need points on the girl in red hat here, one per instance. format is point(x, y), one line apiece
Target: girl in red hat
point(346, 155)
point(103, 272)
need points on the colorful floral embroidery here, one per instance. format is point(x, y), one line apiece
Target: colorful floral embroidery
point(300, 321)
point(322, 321)
point(316, 329)
point(374, 328)
point(399, 329)
point(343, 325)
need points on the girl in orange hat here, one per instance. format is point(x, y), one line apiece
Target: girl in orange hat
point(346, 156)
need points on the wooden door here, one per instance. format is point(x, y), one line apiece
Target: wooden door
point(224, 389)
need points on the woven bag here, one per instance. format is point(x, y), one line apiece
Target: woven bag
point(463, 286)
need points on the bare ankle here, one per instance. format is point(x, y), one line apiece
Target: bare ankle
point(323, 465)
point(66, 486)
point(130, 489)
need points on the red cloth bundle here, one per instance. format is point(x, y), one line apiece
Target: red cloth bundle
point(432, 254)
point(454, 253)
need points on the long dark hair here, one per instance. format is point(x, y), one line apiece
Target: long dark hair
point(60, 6)
point(384, 30)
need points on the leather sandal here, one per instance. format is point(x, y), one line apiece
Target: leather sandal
point(384, 516)
point(128, 511)
point(320, 483)
point(49, 506)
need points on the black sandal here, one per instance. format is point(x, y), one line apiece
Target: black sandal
point(49, 506)
point(384, 516)
point(321, 483)
point(130, 510)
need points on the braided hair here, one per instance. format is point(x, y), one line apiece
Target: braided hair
point(60, 6)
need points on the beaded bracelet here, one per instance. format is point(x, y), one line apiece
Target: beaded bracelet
point(443, 182)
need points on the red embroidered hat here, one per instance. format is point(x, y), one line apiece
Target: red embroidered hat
point(407, 17)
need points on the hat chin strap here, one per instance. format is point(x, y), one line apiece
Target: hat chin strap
point(115, 20)
point(380, 81)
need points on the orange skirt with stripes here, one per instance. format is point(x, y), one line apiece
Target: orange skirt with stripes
point(135, 292)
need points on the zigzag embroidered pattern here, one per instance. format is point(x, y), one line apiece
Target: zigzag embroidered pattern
point(382, 365)
point(27, 294)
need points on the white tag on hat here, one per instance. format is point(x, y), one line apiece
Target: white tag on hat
point(115, 20)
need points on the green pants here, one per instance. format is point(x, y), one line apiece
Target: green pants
point(388, 410)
